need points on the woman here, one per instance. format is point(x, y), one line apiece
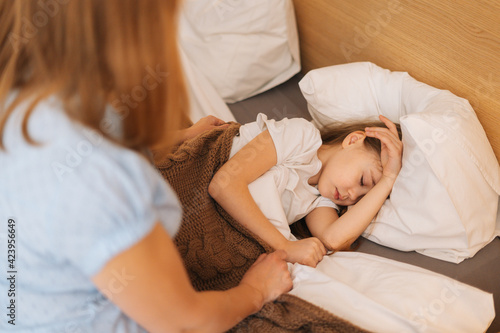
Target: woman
point(85, 88)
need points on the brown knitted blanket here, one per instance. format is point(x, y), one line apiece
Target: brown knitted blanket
point(216, 249)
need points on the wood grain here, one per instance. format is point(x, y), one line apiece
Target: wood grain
point(448, 44)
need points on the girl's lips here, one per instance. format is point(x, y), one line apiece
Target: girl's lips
point(336, 195)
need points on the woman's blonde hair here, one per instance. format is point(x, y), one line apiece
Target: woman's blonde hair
point(336, 132)
point(94, 53)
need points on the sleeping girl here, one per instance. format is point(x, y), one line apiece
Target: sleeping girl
point(310, 174)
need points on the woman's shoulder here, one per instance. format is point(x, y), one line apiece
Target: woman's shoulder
point(74, 158)
point(79, 184)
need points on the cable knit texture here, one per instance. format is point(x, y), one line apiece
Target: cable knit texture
point(217, 250)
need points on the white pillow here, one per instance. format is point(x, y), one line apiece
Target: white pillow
point(444, 202)
point(242, 47)
point(204, 100)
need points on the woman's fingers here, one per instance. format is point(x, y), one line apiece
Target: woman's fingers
point(213, 120)
point(269, 275)
point(280, 254)
point(260, 258)
point(204, 124)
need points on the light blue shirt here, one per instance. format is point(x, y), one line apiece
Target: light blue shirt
point(73, 203)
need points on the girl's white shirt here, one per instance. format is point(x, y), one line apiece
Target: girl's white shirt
point(283, 193)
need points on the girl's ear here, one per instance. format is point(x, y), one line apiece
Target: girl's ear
point(356, 137)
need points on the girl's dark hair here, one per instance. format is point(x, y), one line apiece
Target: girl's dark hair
point(337, 132)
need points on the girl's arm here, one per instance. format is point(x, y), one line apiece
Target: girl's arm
point(229, 187)
point(338, 233)
point(150, 284)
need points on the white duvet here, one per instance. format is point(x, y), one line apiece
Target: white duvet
point(383, 295)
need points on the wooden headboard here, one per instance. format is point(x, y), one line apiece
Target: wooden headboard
point(448, 44)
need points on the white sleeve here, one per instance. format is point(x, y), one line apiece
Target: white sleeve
point(120, 199)
point(325, 202)
point(296, 140)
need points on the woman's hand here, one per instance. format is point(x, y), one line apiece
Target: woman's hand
point(392, 147)
point(307, 251)
point(269, 275)
point(204, 124)
point(159, 296)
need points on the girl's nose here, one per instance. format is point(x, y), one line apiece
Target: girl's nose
point(353, 195)
point(357, 193)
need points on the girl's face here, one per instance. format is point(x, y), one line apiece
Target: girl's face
point(350, 172)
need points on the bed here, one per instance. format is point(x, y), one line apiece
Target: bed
point(451, 45)
point(481, 271)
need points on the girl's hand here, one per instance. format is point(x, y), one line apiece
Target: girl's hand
point(204, 124)
point(307, 251)
point(392, 147)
